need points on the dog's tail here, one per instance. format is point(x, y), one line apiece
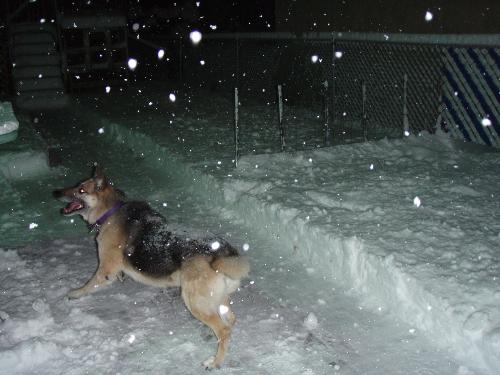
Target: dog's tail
point(234, 267)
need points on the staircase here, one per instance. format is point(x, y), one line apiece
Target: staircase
point(36, 67)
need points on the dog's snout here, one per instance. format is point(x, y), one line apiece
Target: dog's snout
point(57, 194)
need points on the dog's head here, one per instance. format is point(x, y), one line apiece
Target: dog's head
point(90, 195)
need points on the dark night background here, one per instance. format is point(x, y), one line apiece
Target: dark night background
point(459, 16)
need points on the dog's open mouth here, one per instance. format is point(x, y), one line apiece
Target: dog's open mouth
point(73, 207)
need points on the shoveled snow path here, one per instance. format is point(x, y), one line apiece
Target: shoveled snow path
point(43, 332)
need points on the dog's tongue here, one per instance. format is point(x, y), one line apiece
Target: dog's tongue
point(73, 206)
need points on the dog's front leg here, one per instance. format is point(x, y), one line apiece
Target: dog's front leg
point(101, 278)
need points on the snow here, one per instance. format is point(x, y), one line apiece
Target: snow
point(349, 274)
point(23, 165)
point(132, 63)
point(8, 120)
point(311, 322)
point(486, 122)
point(195, 36)
point(16, 160)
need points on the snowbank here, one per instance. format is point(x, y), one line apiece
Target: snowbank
point(24, 164)
point(8, 123)
point(25, 158)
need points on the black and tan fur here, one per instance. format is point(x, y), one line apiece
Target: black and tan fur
point(135, 241)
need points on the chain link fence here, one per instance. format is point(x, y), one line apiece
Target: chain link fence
point(348, 88)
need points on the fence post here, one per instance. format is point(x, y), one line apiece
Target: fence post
point(280, 118)
point(333, 80)
point(237, 52)
point(406, 123)
point(236, 128)
point(363, 109)
point(326, 113)
point(180, 60)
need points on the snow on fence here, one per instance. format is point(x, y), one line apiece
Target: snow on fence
point(374, 84)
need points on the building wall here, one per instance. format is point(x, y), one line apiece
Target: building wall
point(406, 16)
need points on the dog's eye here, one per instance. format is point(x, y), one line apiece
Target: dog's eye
point(82, 191)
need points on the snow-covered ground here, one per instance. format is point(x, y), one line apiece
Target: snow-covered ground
point(377, 258)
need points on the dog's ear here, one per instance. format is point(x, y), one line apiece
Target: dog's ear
point(99, 177)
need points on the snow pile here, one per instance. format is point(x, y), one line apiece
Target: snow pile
point(25, 158)
point(434, 264)
point(24, 164)
point(8, 122)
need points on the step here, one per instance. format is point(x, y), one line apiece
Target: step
point(35, 27)
point(40, 100)
point(36, 60)
point(34, 49)
point(24, 72)
point(29, 84)
point(29, 37)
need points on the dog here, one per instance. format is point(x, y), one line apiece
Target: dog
point(133, 240)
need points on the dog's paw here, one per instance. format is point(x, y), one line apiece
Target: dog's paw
point(75, 294)
point(210, 364)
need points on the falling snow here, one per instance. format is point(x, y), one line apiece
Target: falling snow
point(486, 122)
point(416, 201)
point(195, 37)
point(132, 63)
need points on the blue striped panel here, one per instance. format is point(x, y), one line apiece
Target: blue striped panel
point(456, 119)
point(476, 88)
point(479, 93)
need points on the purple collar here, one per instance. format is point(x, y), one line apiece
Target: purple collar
point(106, 215)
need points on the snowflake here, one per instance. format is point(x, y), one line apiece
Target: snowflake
point(132, 63)
point(195, 36)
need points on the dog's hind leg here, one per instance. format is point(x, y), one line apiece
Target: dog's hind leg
point(204, 293)
point(223, 333)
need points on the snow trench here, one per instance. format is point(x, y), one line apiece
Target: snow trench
point(382, 283)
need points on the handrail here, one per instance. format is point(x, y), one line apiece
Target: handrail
point(433, 39)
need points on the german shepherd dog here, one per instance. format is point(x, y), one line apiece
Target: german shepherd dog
point(133, 239)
